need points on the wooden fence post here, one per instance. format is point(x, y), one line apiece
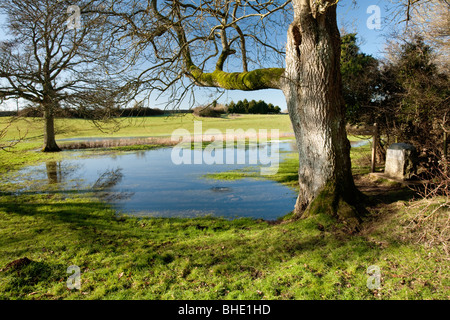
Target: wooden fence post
point(374, 146)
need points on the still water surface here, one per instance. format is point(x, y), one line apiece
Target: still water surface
point(148, 183)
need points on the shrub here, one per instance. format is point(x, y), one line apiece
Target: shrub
point(208, 111)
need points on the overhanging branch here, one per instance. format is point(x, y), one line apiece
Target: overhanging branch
point(258, 79)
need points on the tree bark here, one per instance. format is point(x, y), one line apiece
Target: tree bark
point(313, 90)
point(49, 132)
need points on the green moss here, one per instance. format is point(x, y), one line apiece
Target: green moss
point(252, 80)
point(324, 203)
point(330, 202)
point(261, 77)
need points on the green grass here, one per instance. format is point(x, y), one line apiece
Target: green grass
point(361, 159)
point(203, 258)
point(206, 258)
point(23, 154)
point(287, 173)
point(32, 128)
point(137, 147)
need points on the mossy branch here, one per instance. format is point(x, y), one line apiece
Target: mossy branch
point(248, 81)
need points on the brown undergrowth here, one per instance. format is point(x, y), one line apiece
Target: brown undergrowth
point(400, 214)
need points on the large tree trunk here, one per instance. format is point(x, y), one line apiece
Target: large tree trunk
point(312, 87)
point(49, 132)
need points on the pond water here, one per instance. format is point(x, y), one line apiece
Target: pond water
point(148, 183)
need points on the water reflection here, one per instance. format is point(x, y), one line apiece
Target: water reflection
point(104, 186)
point(141, 154)
point(108, 179)
point(54, 172)
point(148, 183)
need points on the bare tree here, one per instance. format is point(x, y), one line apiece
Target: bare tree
point(428, 18)
point(52, 62)
point(197, 43)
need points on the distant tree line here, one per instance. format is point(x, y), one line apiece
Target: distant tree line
point(8, 113)
point(252, 107)
point(82, 114)
point(215, 109)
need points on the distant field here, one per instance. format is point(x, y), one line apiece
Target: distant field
point(140, 127)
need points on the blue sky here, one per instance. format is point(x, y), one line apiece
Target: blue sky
point(352, 18)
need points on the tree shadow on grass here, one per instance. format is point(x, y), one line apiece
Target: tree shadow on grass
point(382, 192)
point(86, 221)
point(23, 275)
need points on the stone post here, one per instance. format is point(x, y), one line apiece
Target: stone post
point(401, 161)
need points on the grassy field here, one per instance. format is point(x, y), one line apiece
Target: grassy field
point(210, 258)
point(141, 127)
